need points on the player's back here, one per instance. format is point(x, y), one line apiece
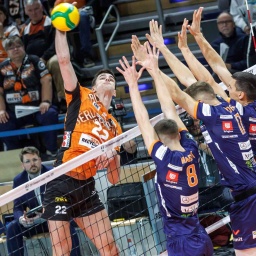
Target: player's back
point(177, 185)
point(228, 140)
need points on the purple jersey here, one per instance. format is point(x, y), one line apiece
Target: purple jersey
point(248, 114)
point(228, 140)
point(176, 183)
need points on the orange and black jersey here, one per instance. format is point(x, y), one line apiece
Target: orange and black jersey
point(87, 125)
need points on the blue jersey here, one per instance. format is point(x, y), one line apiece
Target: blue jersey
point(177, 185)
point(248, 114)
point(228, 140)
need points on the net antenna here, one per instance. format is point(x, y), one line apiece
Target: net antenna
point(250, 22)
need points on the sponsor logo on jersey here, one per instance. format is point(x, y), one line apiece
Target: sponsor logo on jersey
point(252, 119)
point(206, 110)
point(96, 105)
point(244, 145)
point(174, 167)
point(189, 199)
point(191, 208)
point(238, 239)
point(229, 136)
point(172, 177)
point(188, 158)
point(172, 186)
point(252, 128)
point(226, 117)
point(254, 234)
point(161, 152)
point(66, 139)
point(227, 126)
point(247, 155)
point(236, 232)
point(88, 141)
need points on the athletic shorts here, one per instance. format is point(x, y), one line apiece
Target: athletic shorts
point(195, 244)
point(67, 198)
point(243, 223)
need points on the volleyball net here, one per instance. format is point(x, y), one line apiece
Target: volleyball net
point(131, 204)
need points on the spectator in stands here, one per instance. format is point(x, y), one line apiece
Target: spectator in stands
point(88, 124)
point(175, 154)
point(38, 39)
point(25, 225)
point(24, 80)
point(235, 41)
point(100, 8)
point(239, 12)
point(82, 52)
point(6, 29)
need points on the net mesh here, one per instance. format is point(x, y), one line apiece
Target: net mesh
point(131, 204)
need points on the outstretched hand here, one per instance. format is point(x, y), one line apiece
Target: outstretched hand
point(104, 160)
point(138, 50)
point(129, 72)
point(156, 35)
point(151, 62)
point(182, 43)
point(194, 28)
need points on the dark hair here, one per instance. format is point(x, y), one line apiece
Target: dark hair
point(12, 40)
point(199, 88)
point(166, 127)
point(108, 71)
point(4, 10)
point(246, 82)
point(29, 150)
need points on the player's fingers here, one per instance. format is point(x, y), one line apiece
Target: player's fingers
point(126, 62)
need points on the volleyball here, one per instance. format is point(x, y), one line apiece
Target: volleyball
point(65, 17)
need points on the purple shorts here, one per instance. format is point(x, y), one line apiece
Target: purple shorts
point(195, 244)
point(243, 223)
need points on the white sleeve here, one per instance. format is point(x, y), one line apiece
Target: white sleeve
point(238, 11)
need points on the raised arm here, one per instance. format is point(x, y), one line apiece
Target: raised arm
point(66, 68)
point(167, 105)
point(199, 71)
point(131, 77)
point(177, 67)
point(211, 56)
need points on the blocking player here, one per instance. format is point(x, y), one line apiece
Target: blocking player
point(175, 154)
point(228, 140)
point(241, 85)
point(87, 125)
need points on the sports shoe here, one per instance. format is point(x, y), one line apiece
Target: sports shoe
point(88, 63)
